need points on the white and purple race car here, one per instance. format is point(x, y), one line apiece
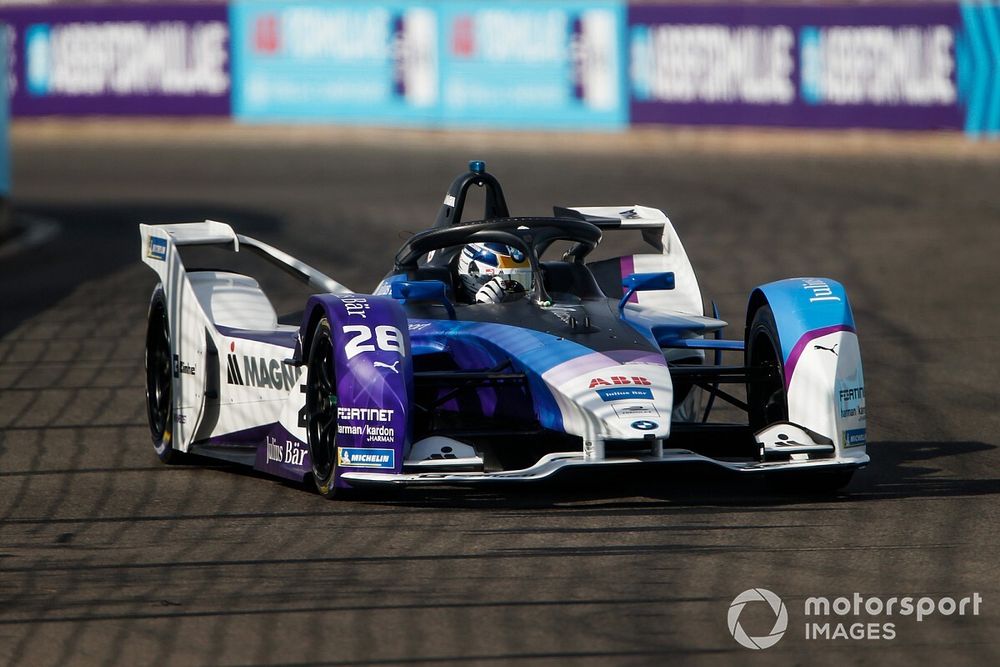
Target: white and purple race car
point(578, 364)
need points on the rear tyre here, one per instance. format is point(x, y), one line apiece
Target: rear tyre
point(159, 380)
point(321, 408)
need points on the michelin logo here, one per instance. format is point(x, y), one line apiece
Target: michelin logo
point(352, 457)
point(855, 437)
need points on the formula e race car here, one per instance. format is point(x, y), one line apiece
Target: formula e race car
point(576, 364)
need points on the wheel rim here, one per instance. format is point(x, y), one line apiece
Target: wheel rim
point(321, 406)
point(158, 376)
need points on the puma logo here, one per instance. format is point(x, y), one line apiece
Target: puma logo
point(391, 367)
point(828, 349)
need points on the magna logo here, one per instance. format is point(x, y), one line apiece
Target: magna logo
point(619, 380)
point(262, 373)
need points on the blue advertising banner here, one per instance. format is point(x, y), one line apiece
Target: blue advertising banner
point(977, 53)
point(534, 64)
point(548, 64)
point(363, 62)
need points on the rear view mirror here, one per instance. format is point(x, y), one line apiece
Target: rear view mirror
point(645, 282)
point(423, 290)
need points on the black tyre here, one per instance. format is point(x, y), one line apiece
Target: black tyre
point(767, 401)
point(159, 380)
point(321, 408)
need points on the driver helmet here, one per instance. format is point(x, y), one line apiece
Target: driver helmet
point(482, 263)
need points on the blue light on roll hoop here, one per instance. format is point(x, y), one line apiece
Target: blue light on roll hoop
point(477, 166)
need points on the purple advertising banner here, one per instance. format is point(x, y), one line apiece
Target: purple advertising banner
point(891, 66)
point(154, 60)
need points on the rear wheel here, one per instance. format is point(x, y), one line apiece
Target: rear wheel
point(159, 380)
point(321, 408)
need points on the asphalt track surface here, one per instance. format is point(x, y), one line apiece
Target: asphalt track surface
point(108, 557)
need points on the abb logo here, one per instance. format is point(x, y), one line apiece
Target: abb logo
point(619, 380)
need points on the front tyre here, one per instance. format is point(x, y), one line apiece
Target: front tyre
point(159, 380)
point(321, 408)
point(767, 403)
point(767, 400)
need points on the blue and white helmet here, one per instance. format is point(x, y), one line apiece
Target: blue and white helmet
point(497, 264)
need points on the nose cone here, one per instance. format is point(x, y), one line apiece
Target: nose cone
point(612, 396)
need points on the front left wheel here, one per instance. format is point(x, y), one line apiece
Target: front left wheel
point(321, 410)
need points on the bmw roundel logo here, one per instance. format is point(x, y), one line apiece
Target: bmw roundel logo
point(644, 425)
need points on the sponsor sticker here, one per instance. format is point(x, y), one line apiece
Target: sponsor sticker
point(180, 366)
point(291, 452)
point(619, 380)
point(645, 425)
point(157, 248)
point(635, 411)
point(821, 290)
point(625, 394)
point(261, 372)
point(854, 437)
point(852, 401)
point(355, 457)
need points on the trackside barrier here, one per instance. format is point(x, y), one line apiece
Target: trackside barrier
point(540, 64)
point(126, 59)
point(557, 64)
point(5, 223)
point(913, 67)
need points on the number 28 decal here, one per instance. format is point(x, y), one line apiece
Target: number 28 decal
point(387, 339)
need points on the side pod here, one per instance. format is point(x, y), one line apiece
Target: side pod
point(821, 358)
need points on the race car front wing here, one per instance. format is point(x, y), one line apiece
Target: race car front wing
point(551, 464)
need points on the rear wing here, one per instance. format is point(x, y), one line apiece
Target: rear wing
point(158, 241)
point(658, 232)
point(651, 221)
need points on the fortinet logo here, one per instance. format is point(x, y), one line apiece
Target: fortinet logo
point(262, 373)
point(619, 380)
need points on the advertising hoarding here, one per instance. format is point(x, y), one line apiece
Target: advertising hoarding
point(533, 64)
point(154, 60)
point(513, 64)
point(889, 66)
point(373, 62)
